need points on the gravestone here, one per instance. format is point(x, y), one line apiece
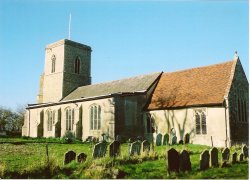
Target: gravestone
point(185, 163)
point(245, 151)
point(114, 149)
point(173, 160)
point(181, 142)
point(158, 139)
point(99, 150)
point(81, 157)
point(135, 148)
point(225, 154)
point(214, 157)
point(69, 156)
point(165, 139)
point(174, 140)
point(241, 157)
point(186, 138)
point(145, 146)
point(204, 160)
point(234, 158)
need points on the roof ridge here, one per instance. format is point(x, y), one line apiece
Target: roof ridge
point(200, 67)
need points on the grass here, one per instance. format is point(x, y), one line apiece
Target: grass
point(22, 158)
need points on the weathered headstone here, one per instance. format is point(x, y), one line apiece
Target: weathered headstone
point(114, 149)
point(69, 156)
point(234, 158)
point(165, 139)
point(225, 154)
point(185, 163)
point(214, 157)
point(81, 157)
point(174, 140)
point(181, 142)
point(158, 139)
point(241, 157)
point(204, 160)
point(99, 150)
point(135, 148)
point(173, 160)
point(145, 146)
point(186, 138)
point(245, 151)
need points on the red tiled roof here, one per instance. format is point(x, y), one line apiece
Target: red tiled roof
point(197, 86)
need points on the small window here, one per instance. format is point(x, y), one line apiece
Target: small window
point(69, 119)
point(77, 65)
point(200, 122)
point(53, 63)
point(95, 117)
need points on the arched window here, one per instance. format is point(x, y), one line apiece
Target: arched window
point(53, 63)
point(200, 121)
point(50, 119)
point(70, 115)
point(77, 65)
point(95, 117)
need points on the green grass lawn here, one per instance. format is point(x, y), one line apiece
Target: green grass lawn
point(28, 160)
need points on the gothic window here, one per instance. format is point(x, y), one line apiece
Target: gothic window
point(95, 117)
point(77, 65)
point(70, 116)
point(53, 63)
point(49, 120)
point(200, 122)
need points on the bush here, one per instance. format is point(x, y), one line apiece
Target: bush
point(69, 137)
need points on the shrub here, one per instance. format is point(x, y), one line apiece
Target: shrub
point(69, 137)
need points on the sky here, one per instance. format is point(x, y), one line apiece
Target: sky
point(128, 38)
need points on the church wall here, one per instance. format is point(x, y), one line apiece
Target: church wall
point(183, 121)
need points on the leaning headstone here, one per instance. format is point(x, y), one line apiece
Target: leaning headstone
point(186, 138)
point(173, 160)
point(214, 157)
point(241, 157)
point(81, 157)
point(135, 148)
point(234, 158)
point(225, 154)
point(185, 163)
point(204, 160)
point(69, 156)
point(99, 150)
point(174, 140)
point(145, 146)
point(158, 139)
point(181, 142)
point(245, 151)
point(165, 139)
point(114, 149)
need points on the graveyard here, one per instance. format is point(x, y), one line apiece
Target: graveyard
point(54, 158)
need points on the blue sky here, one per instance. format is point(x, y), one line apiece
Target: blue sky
point(128, 38)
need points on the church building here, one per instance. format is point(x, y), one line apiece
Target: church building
point(206, 105)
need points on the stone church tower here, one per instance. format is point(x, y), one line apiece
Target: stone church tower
point(67, 66)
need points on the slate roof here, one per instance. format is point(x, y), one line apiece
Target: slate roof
point(129, 85)
point(206, 85)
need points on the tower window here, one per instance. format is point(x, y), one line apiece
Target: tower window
point(77, 65)
point(95, 117)
point(53, 63)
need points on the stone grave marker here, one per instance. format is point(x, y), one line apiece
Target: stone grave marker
point(214, 157)
point(241, 157)
point(181, 142)
point(204, 160)
point(234, 158)
point(81, 157)
point(165, 139)
point(158, 139)
point(185, 163)
point(99, 150)
point(135, 148)
point(174, 140)
point(245, 151)
point(114, 149)
point(69, 156)
point(186, 138)
point(173, 160)
point(145, 146)
point(225, 154)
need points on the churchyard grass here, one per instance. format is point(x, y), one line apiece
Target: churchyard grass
point(28, 160)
